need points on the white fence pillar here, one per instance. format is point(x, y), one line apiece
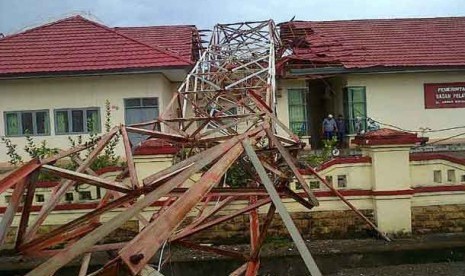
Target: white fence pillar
point(389, 152)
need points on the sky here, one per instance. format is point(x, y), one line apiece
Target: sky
point(17, 15)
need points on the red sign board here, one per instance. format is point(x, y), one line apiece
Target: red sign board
point(445, 95)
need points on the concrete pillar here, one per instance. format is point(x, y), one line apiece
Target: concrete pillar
point(389, 151)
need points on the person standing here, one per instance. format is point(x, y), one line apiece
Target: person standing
point(359, 125)
point(329, 127)
point(341, 130)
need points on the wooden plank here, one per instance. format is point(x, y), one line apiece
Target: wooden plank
point(287, 220)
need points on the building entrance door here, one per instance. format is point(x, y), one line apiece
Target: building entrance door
point(318, 111)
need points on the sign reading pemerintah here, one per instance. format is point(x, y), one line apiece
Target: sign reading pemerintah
point(444, 95)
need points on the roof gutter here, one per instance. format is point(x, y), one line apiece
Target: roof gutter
point(93, 72)
point(370, 70)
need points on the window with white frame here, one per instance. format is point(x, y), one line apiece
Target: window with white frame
point(451, 176)
point(355, 105)
point(22, 123)
point(437, 176)
point(342, 181)
point(69, 197)
point(40, 198)
point(329, 180)
point(85, 195)
point(298, 116)
point(77, 120)
point(314, 184)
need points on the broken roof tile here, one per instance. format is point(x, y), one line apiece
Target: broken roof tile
point(415, 42)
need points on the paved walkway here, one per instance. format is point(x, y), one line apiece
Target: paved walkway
point(436, 269)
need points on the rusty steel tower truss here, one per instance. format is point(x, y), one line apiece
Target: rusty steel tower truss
point(223, 115)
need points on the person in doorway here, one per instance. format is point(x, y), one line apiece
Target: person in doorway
point(329, 127)
point(359, 125)
point(341, 130)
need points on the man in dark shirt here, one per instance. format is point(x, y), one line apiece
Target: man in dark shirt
point(329, 127)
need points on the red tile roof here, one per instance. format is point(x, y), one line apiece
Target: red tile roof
point(419, 42)
point(77, 44)
point(177, 39)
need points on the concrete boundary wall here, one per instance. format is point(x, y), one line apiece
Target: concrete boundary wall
point(402, 192)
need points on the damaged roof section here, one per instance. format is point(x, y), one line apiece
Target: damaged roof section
point(380, 43)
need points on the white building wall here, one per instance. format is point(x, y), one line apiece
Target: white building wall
point(76, 92)
point(398, 99)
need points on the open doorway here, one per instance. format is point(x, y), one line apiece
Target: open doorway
point(321, 102)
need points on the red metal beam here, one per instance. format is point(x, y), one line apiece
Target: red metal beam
point(129, 159)
point(31, 186)
point(85, 178)
point(84, 244)
point(291, 163)
point(64, 186)
point(10, 212)
point(352, 207)
point(219, 220)
point(158, 134)
point(149, 240)
point(19, 174)
point(45, 238)
point(253, 264)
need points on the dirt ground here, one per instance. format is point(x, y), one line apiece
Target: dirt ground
point(436, 269)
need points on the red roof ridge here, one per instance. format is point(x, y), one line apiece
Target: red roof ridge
point(42, 26)
point(118, 29)
point(157, 48)
point(374, 19)
point(153, 26)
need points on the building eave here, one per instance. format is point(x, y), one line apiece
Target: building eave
point(370, 70)
point(86, 73)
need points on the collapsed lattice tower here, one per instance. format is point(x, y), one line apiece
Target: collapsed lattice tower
point(222, 116)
